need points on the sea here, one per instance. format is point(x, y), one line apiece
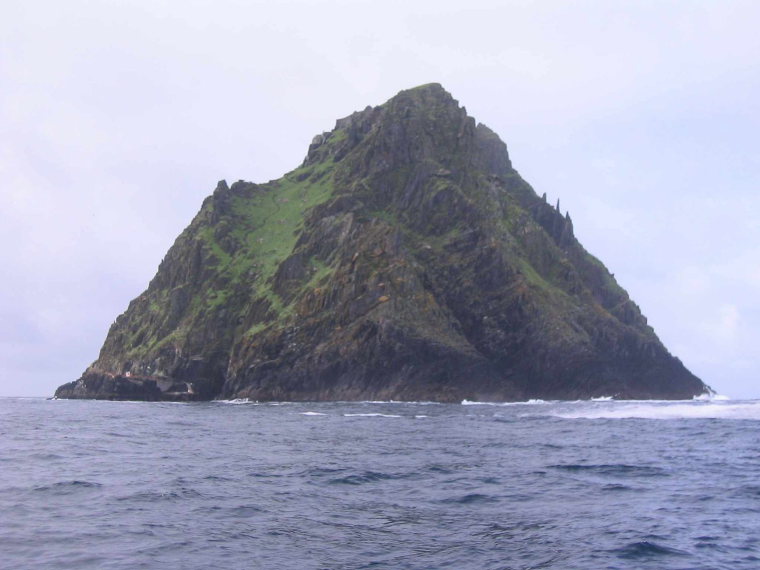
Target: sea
point(573, 485)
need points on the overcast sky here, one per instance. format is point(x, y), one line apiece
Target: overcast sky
point(118, 118)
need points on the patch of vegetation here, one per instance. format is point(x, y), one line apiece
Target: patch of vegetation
point(222, 257)
point(319, 271)
point(535, 279)
point(263, 224)
point(267, 223)
point(338, 136)
point(217, 298)
point(384, 215)
point(255, 329)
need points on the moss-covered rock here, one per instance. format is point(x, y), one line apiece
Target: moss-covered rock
point(404, 259)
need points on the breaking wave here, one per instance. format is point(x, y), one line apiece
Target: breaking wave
point(532, 402)
point(658, 410)
point(371, 415)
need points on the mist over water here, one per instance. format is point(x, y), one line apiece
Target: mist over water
point(599, 484)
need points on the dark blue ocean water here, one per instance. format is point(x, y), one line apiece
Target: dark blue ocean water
point(379, 485)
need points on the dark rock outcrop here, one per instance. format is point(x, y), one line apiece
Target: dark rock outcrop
point(405, 259)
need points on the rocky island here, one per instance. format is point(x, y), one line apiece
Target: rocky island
point(405, 259)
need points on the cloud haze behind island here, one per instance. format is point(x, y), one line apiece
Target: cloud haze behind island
point(117, 119)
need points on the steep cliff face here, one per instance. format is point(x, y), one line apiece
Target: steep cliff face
point(404, 259)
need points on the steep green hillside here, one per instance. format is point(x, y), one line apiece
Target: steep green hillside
point(405, 259)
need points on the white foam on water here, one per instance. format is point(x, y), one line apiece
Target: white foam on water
point(312, 414)
point(119, 402)
point(111, 402)
point(603, 399)
point(525, 403)
point(659, 410)
point(240, 401)
point(236, 401)
point(403, 402)
point(371, 415)
point(419, 417)
point(711, 398)
point(28, 398)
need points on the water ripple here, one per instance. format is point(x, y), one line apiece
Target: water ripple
point(580, 485)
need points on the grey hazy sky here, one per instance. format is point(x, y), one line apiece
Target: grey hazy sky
point(117, 119)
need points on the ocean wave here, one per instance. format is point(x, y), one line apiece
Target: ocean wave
point(659, 410)
point(461, 489)
point(248, 401)
point(362, 478)
point(532, 402)
point(67, 487)
point(471, 498)
point(613, 470)
point(402, 402)
point(647, 549)
point(711, 398)
point(371, 415)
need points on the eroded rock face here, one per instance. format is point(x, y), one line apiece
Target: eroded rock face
point(405, 259)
